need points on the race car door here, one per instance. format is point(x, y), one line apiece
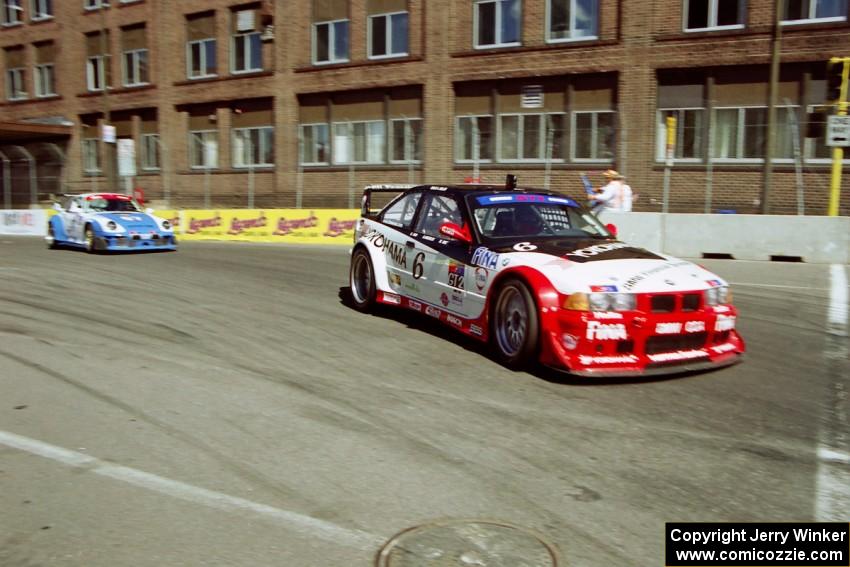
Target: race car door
point(442, 259)
point(397, 244)
point(72, 219)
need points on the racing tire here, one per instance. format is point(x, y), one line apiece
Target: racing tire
point(514, 325)
point(51, 244)
point(361, 280)
point(91, 245)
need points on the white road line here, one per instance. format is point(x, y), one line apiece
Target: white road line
point(305, 525)
point(832, 484)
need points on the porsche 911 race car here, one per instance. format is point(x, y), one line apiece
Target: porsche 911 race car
point(539, 277)
point(105, 222)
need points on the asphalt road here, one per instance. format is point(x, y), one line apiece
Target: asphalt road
point(221, 405)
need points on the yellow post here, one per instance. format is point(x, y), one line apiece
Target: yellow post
point(838, 151)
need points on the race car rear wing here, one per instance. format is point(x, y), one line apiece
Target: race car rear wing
point(366, 201)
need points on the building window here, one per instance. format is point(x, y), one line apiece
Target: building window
point(253, 147)
point(528, 137)
point(388, 35)
point(201, 59)
point(15, 84)
point(689, 131)
point(497, 23)
point(804, 11)
point(330, 42)
point(406, 137)
point(359, 142)
point(203, 149)
point(42, 9)
point(97, 72)
point(45, 82)
point(150, 152)
point(593, 136)
point(247, 53)
point(95, 4)
point(713, 14)
point(571, 19)
point(12, 12)
point(91, 157)
point(314, 144)
point(135, 67)
point(740, 134)
point(474, 138)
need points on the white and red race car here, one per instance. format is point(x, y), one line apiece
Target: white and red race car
point(540, 277)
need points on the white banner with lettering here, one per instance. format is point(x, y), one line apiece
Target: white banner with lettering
point(30, 222)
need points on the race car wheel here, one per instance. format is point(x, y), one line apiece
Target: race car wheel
point(362, 280)
point(51, 242)
point(90, 245)
point(515, 325)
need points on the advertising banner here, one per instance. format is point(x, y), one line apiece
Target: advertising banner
point(303, 226)
point(25, 222)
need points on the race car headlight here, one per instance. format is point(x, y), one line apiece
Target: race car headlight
point(166, 225)
point(111, 225)
point(718, 295)
point(601, 302)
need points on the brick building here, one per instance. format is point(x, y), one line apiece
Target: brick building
point(302, 103)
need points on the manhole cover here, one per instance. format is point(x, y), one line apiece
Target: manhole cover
point(467, 543)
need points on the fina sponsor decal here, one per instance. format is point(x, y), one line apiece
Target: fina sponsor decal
point(481, 276)
point(476, 330)
point(724, 323)
point(624, 359)
point(485, 258)
point(415, 305)
point(677, 355)
point(597, 249)
point(454, 320)
point(603, 288)
point(676, 328)
point(606, 332)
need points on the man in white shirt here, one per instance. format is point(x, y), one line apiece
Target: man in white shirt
point(613, 196)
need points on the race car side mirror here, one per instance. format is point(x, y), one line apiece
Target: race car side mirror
point(612, 228)
point(57, 207)
point(455, 232)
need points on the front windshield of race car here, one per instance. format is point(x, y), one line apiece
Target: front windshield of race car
point(509, 216)
point(103, 204)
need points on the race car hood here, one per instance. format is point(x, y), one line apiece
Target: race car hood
point(610, 266)
point(131, 221)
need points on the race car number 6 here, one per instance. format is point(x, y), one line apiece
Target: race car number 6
point(417, 265)
point(524, 247)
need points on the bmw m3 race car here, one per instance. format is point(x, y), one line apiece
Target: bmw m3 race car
point(107, 221)
point(539, 277)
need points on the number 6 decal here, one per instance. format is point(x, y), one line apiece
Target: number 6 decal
point(418, 268)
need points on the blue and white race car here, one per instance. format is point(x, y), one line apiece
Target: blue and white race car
point(106, 222)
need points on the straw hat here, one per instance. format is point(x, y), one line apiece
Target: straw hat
point(611, 174)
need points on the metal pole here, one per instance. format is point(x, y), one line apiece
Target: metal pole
point(549, 143)
point(250, 173)
point(7, 181)
point(709, 170)
point(33, 175)
point(166, 186)
point(106, 59)
point(299, 178)
point(791, 117)
point(408, 150)
point(476, 150)
point(770, 142)
point(351, 180)
point(838, 151)
point(206, 180)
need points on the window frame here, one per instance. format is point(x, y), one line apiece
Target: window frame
point(497, 31)
point(712, 17)
point(812, 19)
point(331, 42)
point(311, 125)
point(350, 124)
point(740, 127)
point(262, 150)
point(17, 9)
point(541, 141)
point(203, 133)
point(86, 145)
point(594, 139)
point(458, 141)
point(38, 70)
point(146, 152)
point(203, 55)
point(246, 37)
point(101, 67)
point(39, 15)
point(125, 71)
point(12, 94)
point(571, 38)
point(388, 34)
point(390, 146)
point(96, 4)
point(661, 140)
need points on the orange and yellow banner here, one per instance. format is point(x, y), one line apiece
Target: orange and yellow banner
point(304, 226)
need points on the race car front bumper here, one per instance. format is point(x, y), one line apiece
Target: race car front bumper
point(136, 243)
